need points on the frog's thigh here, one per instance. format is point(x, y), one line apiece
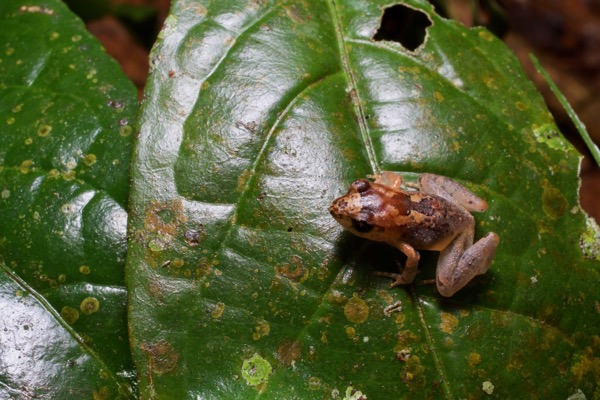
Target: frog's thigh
point(454, 271)
point(452, 191)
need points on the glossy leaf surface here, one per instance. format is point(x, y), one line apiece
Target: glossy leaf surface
point(66, 112)
point(257, 115)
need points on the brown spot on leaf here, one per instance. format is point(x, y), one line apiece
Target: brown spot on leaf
point(164, 218)
point(288, 352)
point(162, 357)
point(554, 202)
point(294, 270)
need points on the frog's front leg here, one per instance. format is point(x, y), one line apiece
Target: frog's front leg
point(462, 260)
point(409, 272)
point(389, 179)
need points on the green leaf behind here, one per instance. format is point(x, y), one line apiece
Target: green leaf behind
point(65, 119)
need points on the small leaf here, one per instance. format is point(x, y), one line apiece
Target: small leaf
point(592, 147)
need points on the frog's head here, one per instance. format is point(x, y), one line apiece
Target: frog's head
point(355, 211)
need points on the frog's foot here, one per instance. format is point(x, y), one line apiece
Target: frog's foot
point(409, 272)
point(399, 279)
point(407, 276)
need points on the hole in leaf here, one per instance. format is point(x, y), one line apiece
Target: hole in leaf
point(403, 25)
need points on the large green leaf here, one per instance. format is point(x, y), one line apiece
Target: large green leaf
point(241, 285)
point(66, 112)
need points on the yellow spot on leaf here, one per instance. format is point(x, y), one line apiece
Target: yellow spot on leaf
point(554, 202)
point(26, 166)
point(521, 106)
point(66, 208)
point(356, 310)
point(89, 159)
point(218, 310)
point(262, 329)
point(102, 394)
point(44, 130)
point(449, 323)
point(125, 130)
point(177, 263)
point(474, 359)
point(85, 270)
point(351, 333)
point(89, 305)
point(69, 314)
point(324, 339)
point(485, 35)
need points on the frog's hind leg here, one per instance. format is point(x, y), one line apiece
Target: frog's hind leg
point(452, 191)
point(456, 269)
point(409, 272)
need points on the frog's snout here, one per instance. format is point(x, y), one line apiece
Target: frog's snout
point(338, 210)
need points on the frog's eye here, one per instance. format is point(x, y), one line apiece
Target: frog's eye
point(361, 185)
point(361, 226)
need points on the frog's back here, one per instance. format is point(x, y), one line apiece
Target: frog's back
point(430, 222)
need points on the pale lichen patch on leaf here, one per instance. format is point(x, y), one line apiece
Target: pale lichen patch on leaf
point(590, 240)
point(487, 387)
point(550, 135)
point(578, 395)
point(37, 10)
point(354, 394)
point(256, 371)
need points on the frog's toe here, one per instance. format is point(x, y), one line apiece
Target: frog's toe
point(398, 279)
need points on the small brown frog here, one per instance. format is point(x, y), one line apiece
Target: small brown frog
point(436, 217)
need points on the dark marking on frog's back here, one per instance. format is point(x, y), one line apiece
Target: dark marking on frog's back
point(436, 227)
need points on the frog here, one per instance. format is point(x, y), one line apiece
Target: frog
point(433, 214)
